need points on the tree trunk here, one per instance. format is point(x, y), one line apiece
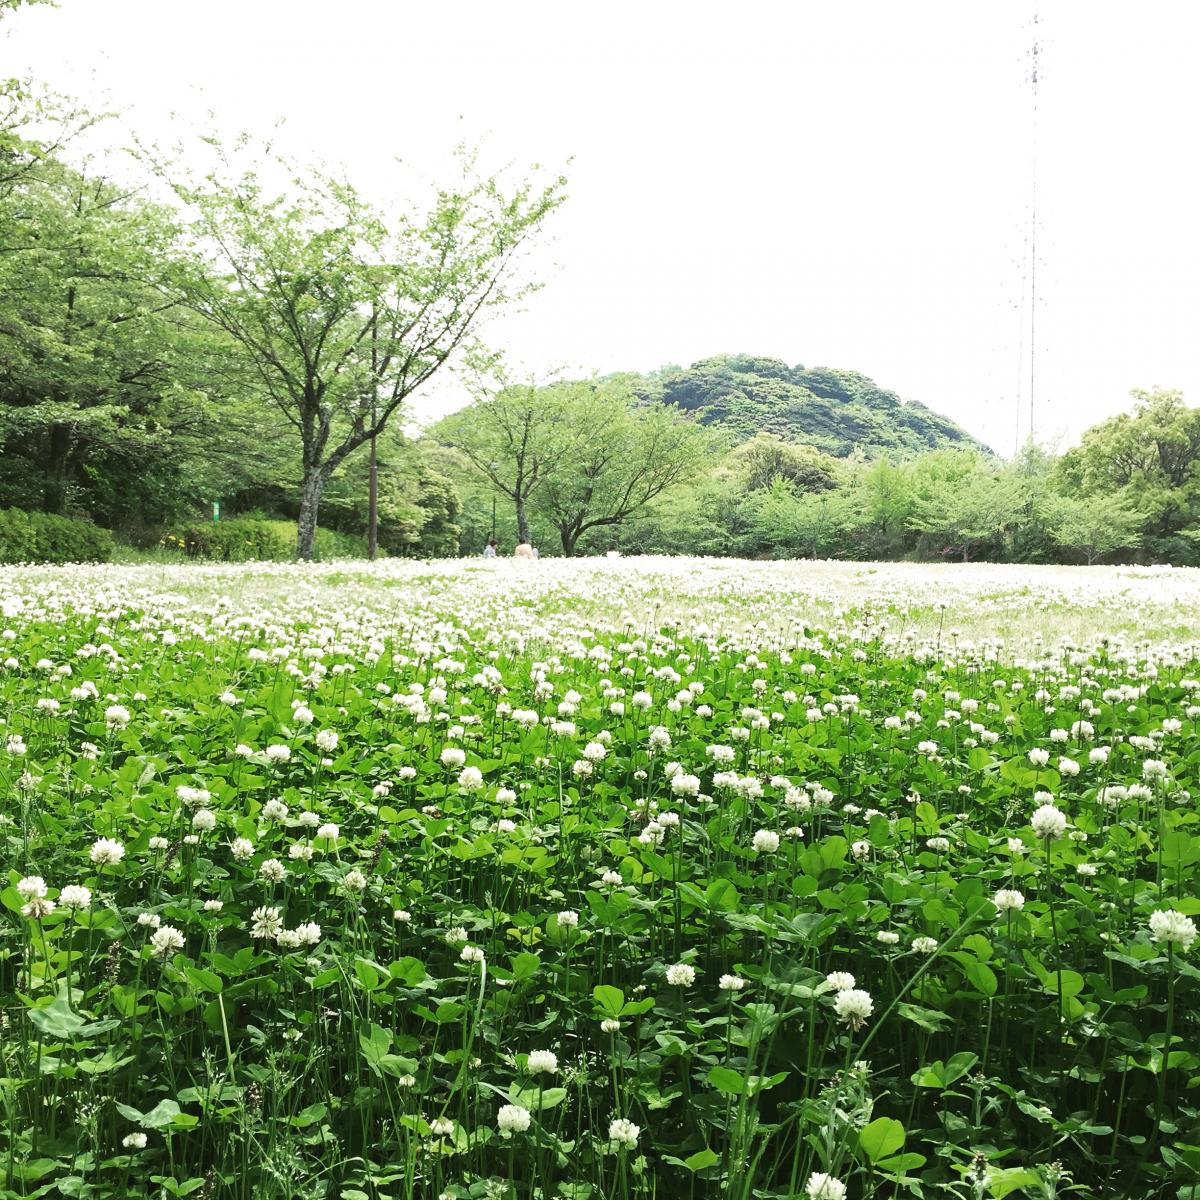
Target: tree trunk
point(54, 492)
point(373, 505)
point(306, 525)
point(966, 552)
point(522, 520)
point(568, 540)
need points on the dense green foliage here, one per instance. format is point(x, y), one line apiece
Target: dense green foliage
point(243, 340)
point(584, 454)
point(837, 411)
point(34, 537)
point(523, 896)
point(246, 539)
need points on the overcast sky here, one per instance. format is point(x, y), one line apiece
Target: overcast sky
point(843, 183)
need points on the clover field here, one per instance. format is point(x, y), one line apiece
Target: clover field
point(599, 880)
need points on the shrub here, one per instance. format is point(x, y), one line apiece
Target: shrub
point(36, 537)
point(246, 539)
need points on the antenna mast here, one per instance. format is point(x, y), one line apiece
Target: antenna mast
point(1033, 228)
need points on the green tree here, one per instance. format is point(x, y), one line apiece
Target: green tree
point(1152, 457)
point(809, 524)
point(885, 499)
point(959, 499)
point(419, 502)
point(615, 457)
point(1095, 527)
point(105, 385)
point(514, 439)
point(343, 311)
point(767, 457)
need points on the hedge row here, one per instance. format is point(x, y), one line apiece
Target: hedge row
point(245, 539)
point(35, 537)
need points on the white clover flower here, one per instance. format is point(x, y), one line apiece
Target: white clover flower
point(1167, 925)
point(470, 779)
point(542, 1062)
point(887, 937)
point(272, 870)
point(327, 740)
point(568, 919)
point(471, 954)
point(75, 896)
point(824, 1187)
point(116, 716)
point(441, 1127)
point(265, 923)
point(731, 983)
point(1039, 756)
point(453, 757)
point(134, 1141)
point(512, 1118)
point(1008, 899)
point(624, 1133)
point(1049, 822)
point(278, 753)
point(841, 981)
point(1154, 768)
point(32, 887)
point(166, 939)
point(106, 852)
point(681, 975)
point(241, 848)
point(274, 810)
point(609, 1025)
point(330, 831)
point(853, 1006)
point(766, 841)
point(939, 845)
point(204, 820)
point(924, 945)
point(685, 785)
point(354, 881)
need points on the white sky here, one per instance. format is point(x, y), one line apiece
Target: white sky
point(838, 183)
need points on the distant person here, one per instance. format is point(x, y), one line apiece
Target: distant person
point(524, 550)
point(489, 551)
point(536, 552)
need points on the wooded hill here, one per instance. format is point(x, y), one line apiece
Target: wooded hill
point(838, 411)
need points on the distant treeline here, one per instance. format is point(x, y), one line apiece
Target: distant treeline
point(1129, 492)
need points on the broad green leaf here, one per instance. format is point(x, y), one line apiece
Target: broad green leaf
point(882, 1138)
